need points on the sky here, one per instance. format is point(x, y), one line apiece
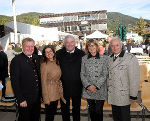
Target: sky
point(135, 8)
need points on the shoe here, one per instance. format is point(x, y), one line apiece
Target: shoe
point(9, 96)
point(3, 99)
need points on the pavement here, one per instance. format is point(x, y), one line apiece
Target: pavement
point(10, 116)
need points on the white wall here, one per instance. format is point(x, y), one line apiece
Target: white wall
point(39, 33)
point(4, 41)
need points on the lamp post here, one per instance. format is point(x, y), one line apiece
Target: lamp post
point(15, 23)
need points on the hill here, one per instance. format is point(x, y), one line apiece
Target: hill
point(114, 18)
point(28, 17)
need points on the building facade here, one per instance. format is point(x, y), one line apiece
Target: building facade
point(79, 23)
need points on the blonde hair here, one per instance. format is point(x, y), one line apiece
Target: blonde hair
point(89, 43)
point(9, 47)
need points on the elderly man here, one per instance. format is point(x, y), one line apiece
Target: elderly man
point(25, 77)
point(70, 63)
point(123, 81)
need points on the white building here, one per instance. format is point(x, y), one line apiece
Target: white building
point(35, 32)
point(27, 30)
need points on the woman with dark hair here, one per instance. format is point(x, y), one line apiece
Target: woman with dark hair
point(50, 79)
point(93, 75)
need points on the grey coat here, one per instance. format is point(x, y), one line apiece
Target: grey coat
point(94, 72)
point(123, 81)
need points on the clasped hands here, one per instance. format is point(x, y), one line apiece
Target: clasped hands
point(92, 88)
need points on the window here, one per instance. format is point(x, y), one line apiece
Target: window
point(74, 28)
point(87, 17)
point(81, 18)
point(102, 16)
point(84, 28)
point(94, 16)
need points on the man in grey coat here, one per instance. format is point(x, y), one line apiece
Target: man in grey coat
point(123, 81)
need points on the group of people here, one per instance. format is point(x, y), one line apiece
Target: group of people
point(71, 73)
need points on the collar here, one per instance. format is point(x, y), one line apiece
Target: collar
point(30, 56)
point(71, 51)
point(120, 55)
point(27, 56)
point(116, 55)
point(96, 57)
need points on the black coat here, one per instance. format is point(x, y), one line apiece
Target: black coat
point(3, 65)
point(24, 82)
point(70, 65)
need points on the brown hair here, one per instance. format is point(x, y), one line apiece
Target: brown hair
point(44, 58)
point(88, 43)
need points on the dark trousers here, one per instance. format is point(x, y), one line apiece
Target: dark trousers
point(4, 87)
point(96, 109)
point(65, 108)
point(50, 111)
point(121, 113)
point(30, 113)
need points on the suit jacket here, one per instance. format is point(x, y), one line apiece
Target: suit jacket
point(3, 65)
point(25, 83)
point(70, 65)
point(94, 72)
point(124, 78)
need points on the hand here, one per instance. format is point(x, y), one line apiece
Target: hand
point(23, 104)
point(92, 88)
point(132, 101)
point(7, 78)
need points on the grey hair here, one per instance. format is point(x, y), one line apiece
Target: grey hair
point(27, 40)
point(68, 36)
point(115, 38)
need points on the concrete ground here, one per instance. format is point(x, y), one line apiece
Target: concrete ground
point(10, 116)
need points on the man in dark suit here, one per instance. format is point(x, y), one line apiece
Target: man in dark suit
point(70, 64)
point(25, 77)
point(3, 70)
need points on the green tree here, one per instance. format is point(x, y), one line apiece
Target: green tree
point(24, 19)
point(140, 26)
point(148, 24)
point(120, 31)
point(124, 32)
point(4, 21)
point(36, 22)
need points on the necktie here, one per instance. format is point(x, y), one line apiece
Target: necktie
point(31, 59)
point(115, 58)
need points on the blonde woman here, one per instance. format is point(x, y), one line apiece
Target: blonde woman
point(93, 75)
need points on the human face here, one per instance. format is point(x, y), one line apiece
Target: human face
point(70, 44)
point(49, 53)
point(100, 43)
point(28, 48)
point(92, 49)
point(116, 46)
